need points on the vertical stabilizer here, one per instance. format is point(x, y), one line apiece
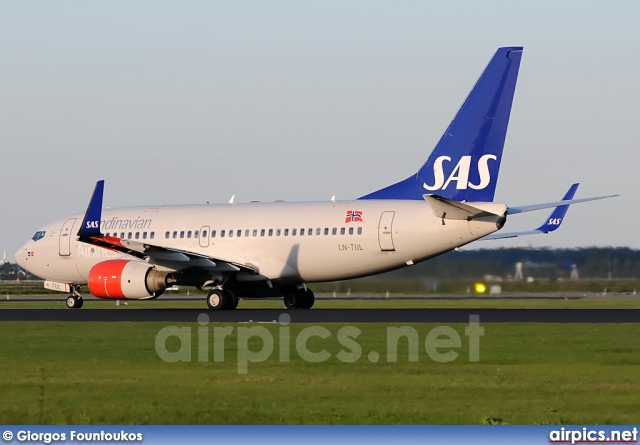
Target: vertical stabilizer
point(465, 163)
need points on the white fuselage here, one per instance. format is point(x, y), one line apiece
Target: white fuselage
point(287, 242)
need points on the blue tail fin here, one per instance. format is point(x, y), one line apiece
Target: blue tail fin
point(464, 165)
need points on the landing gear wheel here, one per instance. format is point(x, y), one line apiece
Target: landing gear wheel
point(219, 299)
point(299, 299)
point(74, 302)
point(232, 302)
point(309, 299)
point(291, 300)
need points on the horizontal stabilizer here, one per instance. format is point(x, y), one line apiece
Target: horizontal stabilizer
point(448, 209)
point(548, 205)
point(553, 221)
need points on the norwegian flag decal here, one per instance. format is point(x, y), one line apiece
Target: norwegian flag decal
point(353, 216)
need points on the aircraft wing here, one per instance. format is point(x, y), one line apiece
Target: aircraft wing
point(163, 256)
point(553, 221)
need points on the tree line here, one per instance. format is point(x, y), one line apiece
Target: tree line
point(590, 263)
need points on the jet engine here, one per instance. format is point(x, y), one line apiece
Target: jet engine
point(126, 279)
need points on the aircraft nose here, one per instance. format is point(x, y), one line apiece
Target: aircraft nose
point(19, 256)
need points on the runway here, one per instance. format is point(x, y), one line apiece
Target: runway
point(391, 316)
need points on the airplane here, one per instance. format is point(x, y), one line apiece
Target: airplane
point(255, 250)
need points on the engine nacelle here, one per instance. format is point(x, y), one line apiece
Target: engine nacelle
point(125, 279)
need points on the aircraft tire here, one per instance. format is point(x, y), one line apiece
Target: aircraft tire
point(232, 301)
point(299, 299)
point(216, 299)
point(292, 299)
point(309, 299)
point(74, 302)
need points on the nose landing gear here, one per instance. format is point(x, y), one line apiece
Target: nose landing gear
point(75, 301)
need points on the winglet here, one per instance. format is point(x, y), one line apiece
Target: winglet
point(91, 222)
point(555, 219)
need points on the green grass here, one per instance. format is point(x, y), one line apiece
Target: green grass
point(110, 373)
point(381, 303)
point(405, 286)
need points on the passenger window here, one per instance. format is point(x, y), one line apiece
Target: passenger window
point(350, 230)
point(144, 235)
point(262, 232)
point(286, 232)
point(230, 233)
point(239, 232)
point(326, 230)
point(293, 232)
point(334, 231)
point(213, 234)
point(166, 235)
point(182, 234)
point(222, 233)
point(153, 235)
point(270, 232)
point(189, 234)
point(255, 232)
point(137, 235)
point(277, 232)
point(246, 232)
point(318, 231)
point(175, 234)
point(122, 235)
point(359, 230)
point(301, 232)
point(342, 231)
point(196, 233)
point(204, 233)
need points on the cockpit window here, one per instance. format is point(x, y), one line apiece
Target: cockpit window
point(38, 235)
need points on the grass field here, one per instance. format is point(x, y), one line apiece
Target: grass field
point(612, 302)
point(87, 373)
point(407, 286)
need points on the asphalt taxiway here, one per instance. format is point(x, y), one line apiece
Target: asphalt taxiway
point(392, 316)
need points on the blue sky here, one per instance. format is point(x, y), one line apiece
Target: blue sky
point(188, 102)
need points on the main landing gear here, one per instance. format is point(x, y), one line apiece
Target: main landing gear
point(219, 299)
point(299, 298)
point(75, 301)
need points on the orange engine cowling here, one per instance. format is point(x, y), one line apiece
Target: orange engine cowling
point(125, 279)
